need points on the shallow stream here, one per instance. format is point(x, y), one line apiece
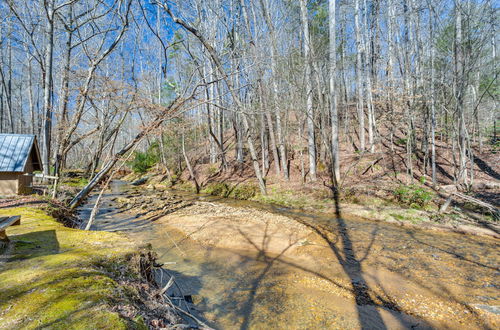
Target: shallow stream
point(352, 273)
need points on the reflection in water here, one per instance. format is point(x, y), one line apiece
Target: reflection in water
point(356, 274)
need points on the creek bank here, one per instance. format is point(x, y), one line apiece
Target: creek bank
point(55, 276)
point(373, 208)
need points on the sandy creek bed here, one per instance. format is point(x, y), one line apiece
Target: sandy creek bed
point(255, 266)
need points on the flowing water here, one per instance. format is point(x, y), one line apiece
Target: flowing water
point(348, 273)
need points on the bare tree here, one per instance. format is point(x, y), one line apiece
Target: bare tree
point(333, 91)
point(311, 142)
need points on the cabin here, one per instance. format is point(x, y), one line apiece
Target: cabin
point(19, 158)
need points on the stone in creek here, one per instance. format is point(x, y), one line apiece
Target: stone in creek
point(492, 309)
point(139, 181)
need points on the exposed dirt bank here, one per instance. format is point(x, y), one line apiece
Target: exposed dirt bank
point(371, 208)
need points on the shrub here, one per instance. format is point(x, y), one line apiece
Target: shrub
point(244, 191)
point(495, 147)
point(212, 169)
point(143, 161)
point(401, 141)
point(174, 178)
point(413, 196)
point(218, 189)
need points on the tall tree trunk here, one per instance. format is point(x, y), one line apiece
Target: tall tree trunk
point(494, 61)
point(333, 92)
point(211, 136)
point(460, 85)
point(239, 139)
point(368, 79)
point(9, 82)
point(47, 87)
point(279, 159)
point(63, 112)
point(433, 97)
point(359, 84)
point(30, 96)
point(311, 141)
point(264, 145)
point(390, 69)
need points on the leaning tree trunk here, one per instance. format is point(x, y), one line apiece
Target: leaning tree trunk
point(224, 76)
point(188, 164)
point(108, 166)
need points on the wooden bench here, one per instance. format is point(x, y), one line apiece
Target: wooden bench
point(6, 222)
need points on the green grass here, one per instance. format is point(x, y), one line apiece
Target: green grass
point(55, 278)
point(414, 196)
point(78, 182)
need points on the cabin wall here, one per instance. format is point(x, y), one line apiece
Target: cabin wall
point(9, 183)
point(26, 182)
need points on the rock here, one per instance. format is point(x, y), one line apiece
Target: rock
point(140, 181)
point(197, 299)
point(160, 187)
point(122, 200)
point(492, 309)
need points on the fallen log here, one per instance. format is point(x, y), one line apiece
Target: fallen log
point(165, 114)
point(491, 208)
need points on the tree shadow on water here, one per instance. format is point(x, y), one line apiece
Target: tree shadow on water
point(344, 252)
point(246, 282)
point(269, 261)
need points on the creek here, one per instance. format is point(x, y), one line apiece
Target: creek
point(249, 265)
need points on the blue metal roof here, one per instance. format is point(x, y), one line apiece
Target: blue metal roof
point(15, 150)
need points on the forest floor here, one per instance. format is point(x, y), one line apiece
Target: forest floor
point(59, 277)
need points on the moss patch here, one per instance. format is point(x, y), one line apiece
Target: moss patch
point(237, 191)
point(186, 186)
point(77, 182)
point(291, 198)
point(53, 275)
